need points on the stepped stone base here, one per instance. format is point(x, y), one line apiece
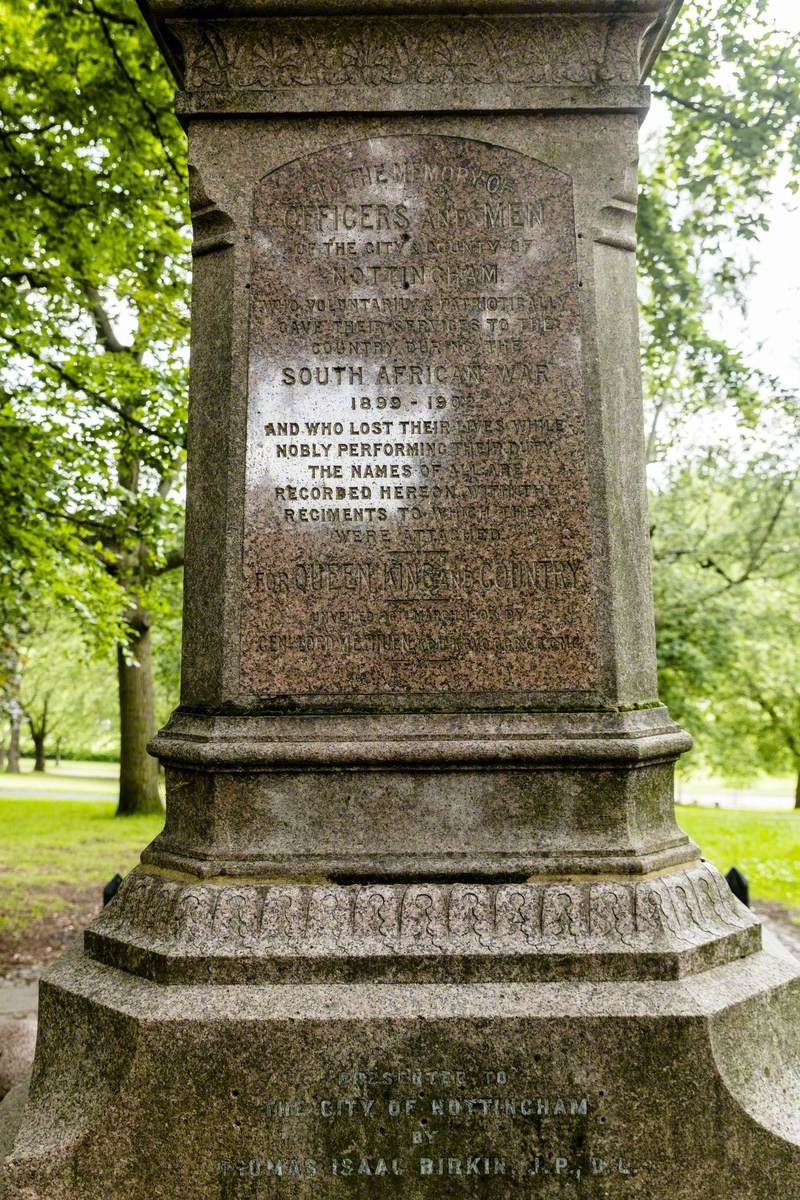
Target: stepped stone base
point(686, 1089)
point(472, 796)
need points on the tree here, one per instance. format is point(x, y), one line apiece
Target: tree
point(41, 557)
point(749, 699)
point(40, 728)
point(726, 545)
point(731, 82)
point(761, 705)
point(722, 432)
point(94, 293)
point(57, 677)
point(13, 711)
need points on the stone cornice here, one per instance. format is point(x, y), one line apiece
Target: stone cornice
point(273, 57)
point(220, 9)
point(440, 741)
point(656, 35)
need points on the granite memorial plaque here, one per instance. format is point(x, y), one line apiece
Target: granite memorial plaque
point(417, 508)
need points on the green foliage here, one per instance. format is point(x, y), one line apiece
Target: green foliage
point(725, 510)
point(732, 84)
point(59, 669)
point(726, 542)
point(65, 689)
point(43, 560)
point(756, 722)
point(94, 295)
point(732, 81)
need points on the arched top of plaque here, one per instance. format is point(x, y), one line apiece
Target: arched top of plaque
point(349, 152)
point(417, 512)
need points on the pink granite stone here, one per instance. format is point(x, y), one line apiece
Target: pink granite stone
point(416, 512)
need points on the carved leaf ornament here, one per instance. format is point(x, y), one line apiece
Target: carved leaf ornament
point(306, 52)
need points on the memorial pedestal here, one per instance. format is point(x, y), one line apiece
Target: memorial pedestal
point(420, 921)
point(684, 1088)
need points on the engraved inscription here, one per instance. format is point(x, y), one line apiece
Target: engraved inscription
point(417, 500)
point(424, 1123)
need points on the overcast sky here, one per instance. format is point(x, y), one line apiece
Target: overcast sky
point(773, 318)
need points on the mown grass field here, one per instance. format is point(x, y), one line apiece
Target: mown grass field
point(765, 846)
point(53, 851)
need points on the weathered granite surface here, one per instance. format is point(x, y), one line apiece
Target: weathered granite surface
point(684, 1088)
point(426, 524)
point(468, 795)
point(665, 926)
point(549, 560)
point(421, 921)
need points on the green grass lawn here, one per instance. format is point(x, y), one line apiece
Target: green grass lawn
point(51, 849)
point(765, 846)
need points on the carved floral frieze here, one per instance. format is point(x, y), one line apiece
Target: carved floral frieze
point(242, 55)
point(685, 908)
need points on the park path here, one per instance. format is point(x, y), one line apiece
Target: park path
point(19, 995)
point(68, 781)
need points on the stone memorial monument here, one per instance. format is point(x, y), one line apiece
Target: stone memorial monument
point(421, 923)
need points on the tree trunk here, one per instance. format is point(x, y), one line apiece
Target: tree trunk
point(138, 772)
point(12, 761)
point(39, 762)
point(39, 736)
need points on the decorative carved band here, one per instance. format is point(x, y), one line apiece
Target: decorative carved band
point(680, 910)
point(248, 55)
